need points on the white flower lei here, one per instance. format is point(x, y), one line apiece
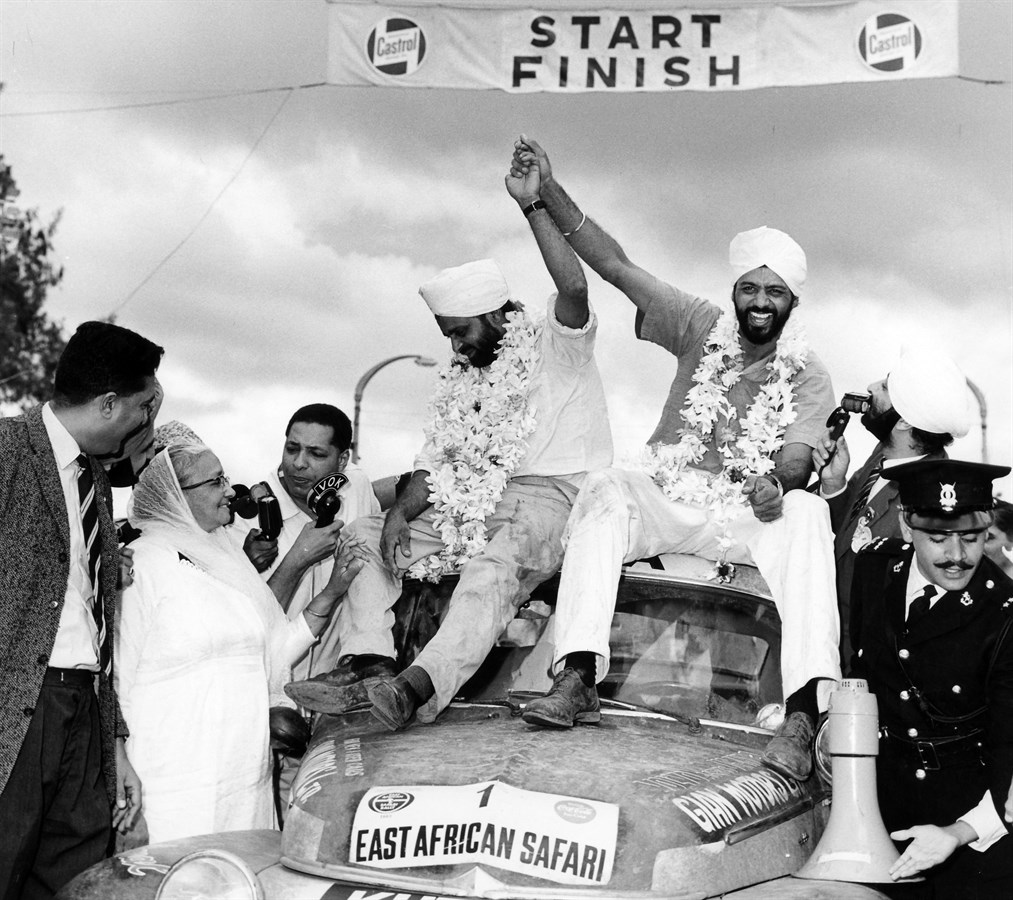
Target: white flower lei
point(761, 430)
point(481, 422)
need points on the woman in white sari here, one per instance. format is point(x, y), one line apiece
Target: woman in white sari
point(203, 651)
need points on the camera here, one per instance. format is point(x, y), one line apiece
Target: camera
point(323, 499)
point(258, 502)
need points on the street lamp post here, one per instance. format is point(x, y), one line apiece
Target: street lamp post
point(361, 386)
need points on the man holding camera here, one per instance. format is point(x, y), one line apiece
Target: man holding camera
point(298, 562)
point(933, 631)
point(722, 471)
point(914, 413)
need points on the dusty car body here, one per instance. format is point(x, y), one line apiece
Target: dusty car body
point(665, 798)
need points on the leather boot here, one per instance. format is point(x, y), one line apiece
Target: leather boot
point(790, 750)
point(343, 689)
point(569, 702)
point(394, 703)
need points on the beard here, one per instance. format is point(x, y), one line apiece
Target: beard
point(483, 352)
point(881, 424)
point(767, 333)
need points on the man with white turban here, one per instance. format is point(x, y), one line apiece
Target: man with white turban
point(915, 412)
point(519, 417)
point(723, 471)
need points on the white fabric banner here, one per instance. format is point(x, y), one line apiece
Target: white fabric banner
point(631, 45)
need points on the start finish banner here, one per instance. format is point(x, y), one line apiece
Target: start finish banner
point(630, 45)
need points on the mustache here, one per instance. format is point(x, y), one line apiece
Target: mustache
point(955, 564)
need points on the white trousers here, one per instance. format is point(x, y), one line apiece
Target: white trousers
point(524, 548)
point(621, 516)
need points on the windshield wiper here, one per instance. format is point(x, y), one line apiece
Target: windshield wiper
point(691, 722)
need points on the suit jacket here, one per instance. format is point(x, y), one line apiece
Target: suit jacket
point(35, 547)
point(883, 523)
point(949, 674)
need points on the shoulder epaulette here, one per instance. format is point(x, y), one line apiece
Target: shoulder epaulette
point(885, 546)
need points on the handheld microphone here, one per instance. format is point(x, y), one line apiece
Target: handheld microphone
point(323, 499)
point(260, 502)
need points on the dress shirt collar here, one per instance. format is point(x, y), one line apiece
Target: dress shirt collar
point(65, 448)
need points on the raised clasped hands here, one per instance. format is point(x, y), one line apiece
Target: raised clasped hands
point(529, 158)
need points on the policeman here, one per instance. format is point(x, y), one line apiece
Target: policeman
point(931, 623)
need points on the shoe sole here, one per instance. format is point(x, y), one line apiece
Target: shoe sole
point(582, 718)
point(335, 701)
point(389, 723)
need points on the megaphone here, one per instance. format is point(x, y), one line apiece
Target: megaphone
point(855, 845)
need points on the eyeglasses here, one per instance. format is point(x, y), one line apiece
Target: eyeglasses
point(221, 481)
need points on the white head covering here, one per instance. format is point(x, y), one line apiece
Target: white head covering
point(159, 509)
point(768, 247)
point(930, 392)
point(469, 290)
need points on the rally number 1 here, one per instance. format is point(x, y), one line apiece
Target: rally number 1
point(485, 792)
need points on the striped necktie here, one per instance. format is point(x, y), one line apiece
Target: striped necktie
point(921, 604)
point(93, 547)
point(858, 507)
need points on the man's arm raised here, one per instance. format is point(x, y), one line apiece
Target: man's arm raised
point(560, 260)
point(597, 248)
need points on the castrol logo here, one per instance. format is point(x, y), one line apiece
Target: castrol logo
point(396, 46)
point(889, 42)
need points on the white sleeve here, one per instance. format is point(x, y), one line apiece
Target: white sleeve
point(986, 824)
point(138, 608)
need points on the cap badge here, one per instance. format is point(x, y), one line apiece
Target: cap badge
point(947, 497)
point(966, 599)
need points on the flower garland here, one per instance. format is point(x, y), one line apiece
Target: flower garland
point(481, 422)
point(760, 435)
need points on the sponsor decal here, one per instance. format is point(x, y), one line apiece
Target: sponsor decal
point(139, 862)
point(561, 839)
point(353, 758)
point(320, 763)
point(396, 46)
point(391, 802)
point(890, 42)
point(752, 795)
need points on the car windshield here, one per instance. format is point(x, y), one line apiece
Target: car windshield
point(684, 647)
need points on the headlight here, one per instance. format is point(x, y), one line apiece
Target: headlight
point(210, 875)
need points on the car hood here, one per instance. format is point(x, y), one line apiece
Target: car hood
point(481, 804)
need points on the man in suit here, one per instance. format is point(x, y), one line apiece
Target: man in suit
point(915, 413)
point(62, 758)
point(932, 624)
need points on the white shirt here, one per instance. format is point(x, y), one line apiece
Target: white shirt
point(76, 644)
point(983, 818)
point(357, 499)
point(571, 434)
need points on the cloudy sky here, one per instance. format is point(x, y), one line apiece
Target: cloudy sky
point(304, 273)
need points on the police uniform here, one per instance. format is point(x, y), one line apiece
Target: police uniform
point(944, 684)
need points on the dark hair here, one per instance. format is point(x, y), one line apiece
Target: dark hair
point(325, 414)
point(101, 357)
point(928, 442)
point(1004, 517)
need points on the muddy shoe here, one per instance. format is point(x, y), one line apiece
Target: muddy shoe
point(394, 703)
point(569, 702)
point(790, 750)
point(343, 689)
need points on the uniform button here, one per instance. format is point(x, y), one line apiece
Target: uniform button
point(990, 584)
point(28, 711)
point(904, 695)
point(904, 546)
point(43, 659)
point(920, 774)
point(904, 654)
point(912, 732)
point(860, 652)
point(956, 689)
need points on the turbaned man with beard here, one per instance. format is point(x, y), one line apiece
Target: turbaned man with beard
point(519, 417)
point(723, 470)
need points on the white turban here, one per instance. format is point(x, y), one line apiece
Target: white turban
point(469, 290)
point(930, 392)
point(768, 247)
